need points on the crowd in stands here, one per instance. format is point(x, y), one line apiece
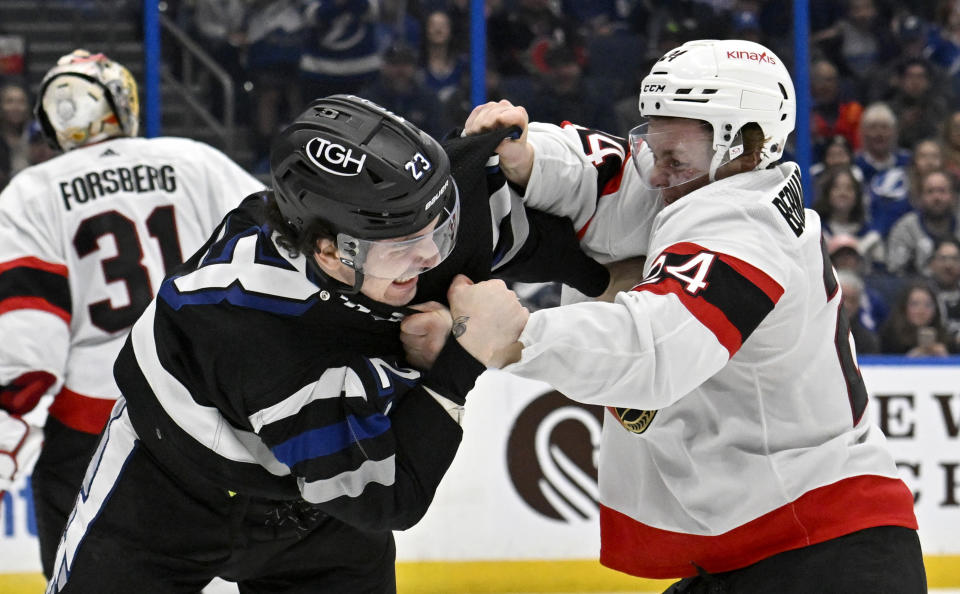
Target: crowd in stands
point(884, 83)
point(21, 142)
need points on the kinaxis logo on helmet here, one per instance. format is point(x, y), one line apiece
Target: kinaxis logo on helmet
point(752, 56)
point(334, 158)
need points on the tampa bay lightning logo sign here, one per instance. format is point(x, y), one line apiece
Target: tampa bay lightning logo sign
point(334, 158)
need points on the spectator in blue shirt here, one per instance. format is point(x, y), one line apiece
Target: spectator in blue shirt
point(884, 166)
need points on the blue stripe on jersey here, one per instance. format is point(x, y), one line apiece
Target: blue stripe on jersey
point(267, 252)
point(235, 294)
point(330, 439)
point(411, 379)
point(222, 251)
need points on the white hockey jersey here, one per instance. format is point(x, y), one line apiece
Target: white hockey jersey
point(735, 425)
point(85, 240)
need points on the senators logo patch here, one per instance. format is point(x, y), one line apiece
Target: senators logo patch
point(633, 420)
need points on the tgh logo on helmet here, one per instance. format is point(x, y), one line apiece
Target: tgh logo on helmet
point(334, 158)
point(552, 457)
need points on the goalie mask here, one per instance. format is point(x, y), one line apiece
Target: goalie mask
point(87, 98)
point(722, 85)
point(380, 185)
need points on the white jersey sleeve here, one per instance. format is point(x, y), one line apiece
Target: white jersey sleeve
point(35, 298)
point(735, 425)
point(590, 177)
point(226, 182)
point(713, 275)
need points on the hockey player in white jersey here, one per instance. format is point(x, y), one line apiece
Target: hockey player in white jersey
point(736, 452)
point(85, 240)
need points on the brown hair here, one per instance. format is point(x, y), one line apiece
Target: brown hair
point(828, 178)
point(753, 138)
point(303, 241)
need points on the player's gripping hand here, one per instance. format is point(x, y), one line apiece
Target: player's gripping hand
point(487, 319)
point(516, 156)
point(19, 444)
point(424, 334)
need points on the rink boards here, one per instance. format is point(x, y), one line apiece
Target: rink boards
point(517, 510)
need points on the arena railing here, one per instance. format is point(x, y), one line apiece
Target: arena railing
point(195, 63)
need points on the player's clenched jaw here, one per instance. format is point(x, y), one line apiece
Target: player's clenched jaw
point(393, 266)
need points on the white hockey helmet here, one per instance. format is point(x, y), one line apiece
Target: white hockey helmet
point(87, 98)
point(726, 83)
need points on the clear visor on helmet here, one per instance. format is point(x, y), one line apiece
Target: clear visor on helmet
point(405, 257)
point(671, 152)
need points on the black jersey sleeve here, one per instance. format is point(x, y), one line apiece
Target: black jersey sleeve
point(551, 253)
point(244, 372)
point(527, 245)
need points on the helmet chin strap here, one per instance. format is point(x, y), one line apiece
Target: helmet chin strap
point(715, 164)
point(336, 284)
point(722, 157)
point(357, 284)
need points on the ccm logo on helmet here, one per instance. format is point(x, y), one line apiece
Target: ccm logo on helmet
point(654, 88)
point(752, 56)
point(334, 158)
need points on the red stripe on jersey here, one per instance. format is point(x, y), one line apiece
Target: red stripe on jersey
point(611, 187)
point(759, 278)
point(17, 303)
point(583, 230)
point(820, 515)
point(613, 184)
point(82, 413)
point(709, 315)
point(31, 262)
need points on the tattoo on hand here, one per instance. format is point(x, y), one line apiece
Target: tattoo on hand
point(459, 326)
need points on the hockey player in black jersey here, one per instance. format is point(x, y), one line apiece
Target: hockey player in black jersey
point(273, 430)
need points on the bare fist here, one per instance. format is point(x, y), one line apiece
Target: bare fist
point(516, 156)
point(424, 334)
point(487, 319)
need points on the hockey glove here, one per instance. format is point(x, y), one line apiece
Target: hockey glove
point(19, 445)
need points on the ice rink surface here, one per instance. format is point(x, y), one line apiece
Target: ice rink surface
point(221, 587)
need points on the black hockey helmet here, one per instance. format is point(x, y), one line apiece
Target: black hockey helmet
point(360, 169)
point(371, 178)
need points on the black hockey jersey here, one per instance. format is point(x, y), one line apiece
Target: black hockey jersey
point(249, 372)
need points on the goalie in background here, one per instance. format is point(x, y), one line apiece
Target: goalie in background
point(85, 240)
